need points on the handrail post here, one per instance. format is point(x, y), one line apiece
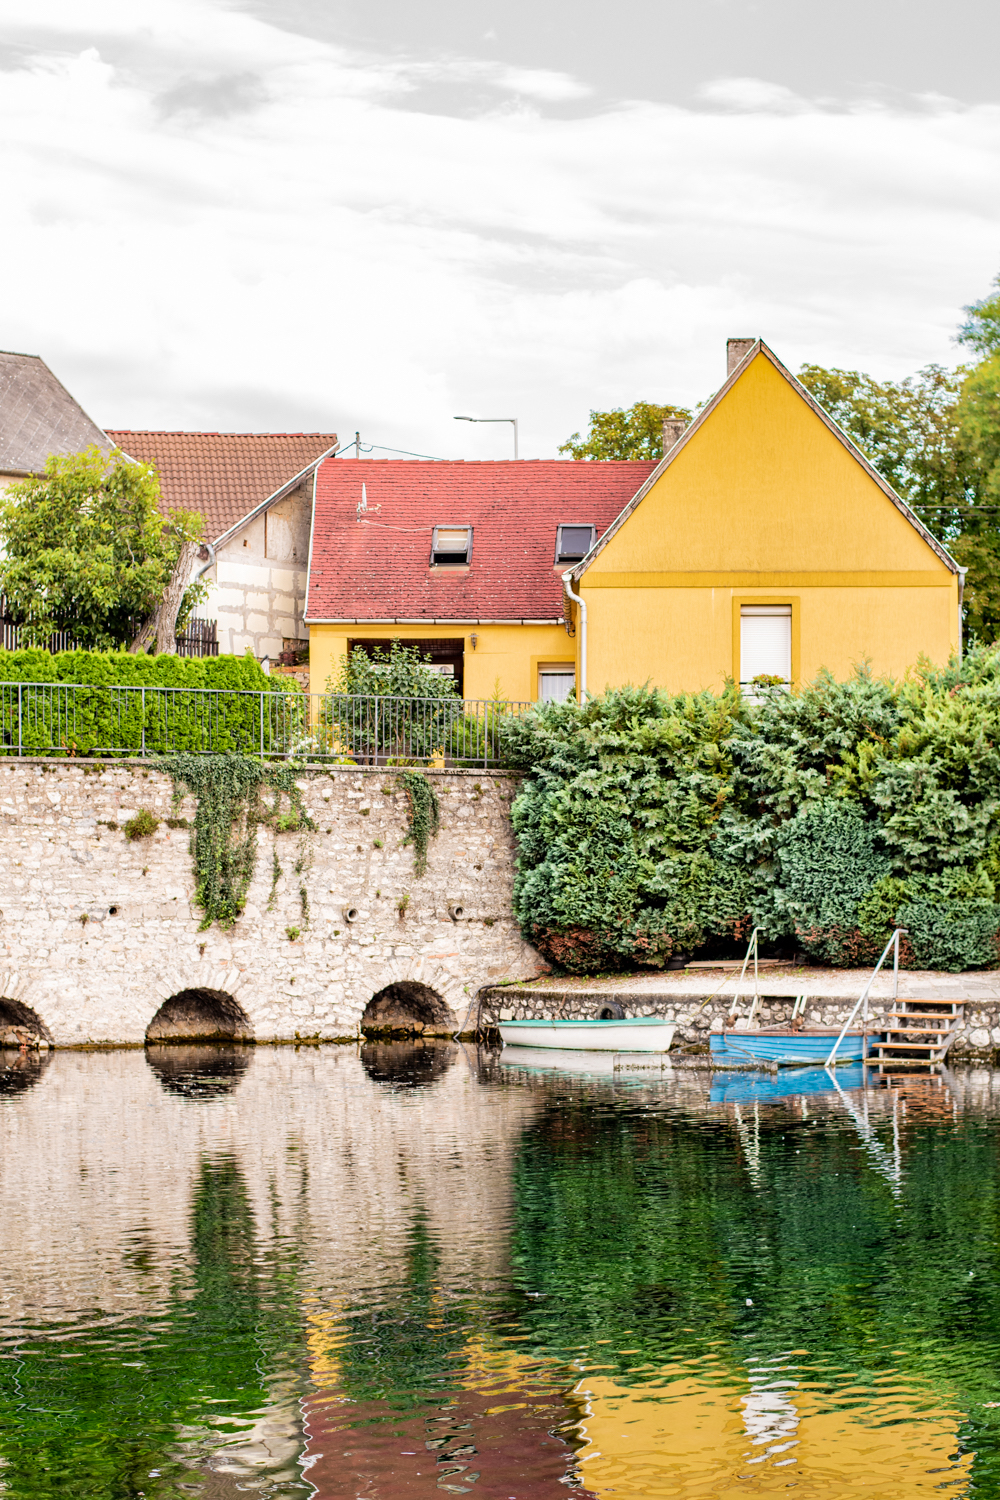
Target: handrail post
point(143, 751)
point(863, 997)
point(20, 721)
point(260, 696)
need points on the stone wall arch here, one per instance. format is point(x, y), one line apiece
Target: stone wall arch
point(20, 1025)
point(407, 1007)
point(200, 1015)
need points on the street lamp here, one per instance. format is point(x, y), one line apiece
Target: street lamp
point(493, 419)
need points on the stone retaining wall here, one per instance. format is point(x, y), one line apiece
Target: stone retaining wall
point(96, 932)
point(697, 1016)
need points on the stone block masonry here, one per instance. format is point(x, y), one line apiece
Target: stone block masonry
point(97, 932)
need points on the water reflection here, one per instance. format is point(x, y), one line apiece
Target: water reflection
point(409, 1064)
point(203, 1070)
point(514, 1282)
point(21, 1070)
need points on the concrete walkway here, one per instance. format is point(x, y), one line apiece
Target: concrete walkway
point(775, 979)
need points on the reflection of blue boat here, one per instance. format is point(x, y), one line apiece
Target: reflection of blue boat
point(787, 1048)
point(769, 1088)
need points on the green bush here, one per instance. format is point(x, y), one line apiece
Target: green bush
point(73, 701)
point(649, 823)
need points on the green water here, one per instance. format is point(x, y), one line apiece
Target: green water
point(414, 1272)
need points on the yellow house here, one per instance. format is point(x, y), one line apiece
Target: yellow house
point(763, 543)
point(464, 561)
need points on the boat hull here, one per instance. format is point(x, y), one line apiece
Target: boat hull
point(788, 1049)
point(638, 1034)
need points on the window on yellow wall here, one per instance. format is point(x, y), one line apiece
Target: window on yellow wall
point(765, 642)
point(556, 682)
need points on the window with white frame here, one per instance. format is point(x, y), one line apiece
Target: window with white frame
point(556, 681)
point(451, 545)
point(765, 643)
point(574, 542)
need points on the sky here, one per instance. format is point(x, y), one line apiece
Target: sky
point(286, 215)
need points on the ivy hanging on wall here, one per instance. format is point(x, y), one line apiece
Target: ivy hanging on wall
point(229, 812)
point(424, 816)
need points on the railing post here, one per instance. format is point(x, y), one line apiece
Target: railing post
point(143, 722)
point(261, 705)
point(20, 723)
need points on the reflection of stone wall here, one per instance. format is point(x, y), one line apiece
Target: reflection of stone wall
point(99, 1161)
point(96, 932)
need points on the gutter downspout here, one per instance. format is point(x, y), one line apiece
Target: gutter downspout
point(581, 603)
point(961, 599)
point(211, 561)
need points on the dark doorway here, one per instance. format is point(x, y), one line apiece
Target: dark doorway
point(445, 652)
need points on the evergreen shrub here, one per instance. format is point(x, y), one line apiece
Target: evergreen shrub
point(45, 714)
point(650, 823)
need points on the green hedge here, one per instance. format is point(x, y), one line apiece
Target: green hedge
point(649, 824)
point(72, 702)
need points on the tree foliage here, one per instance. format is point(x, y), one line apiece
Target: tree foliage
point(87, 550)
point(399, 672)
point(620, 434)
point(649, 823)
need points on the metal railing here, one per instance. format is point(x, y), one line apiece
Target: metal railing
point(69, 719)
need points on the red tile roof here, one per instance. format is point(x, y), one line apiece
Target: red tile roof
point(377, 566)
point(224, 475)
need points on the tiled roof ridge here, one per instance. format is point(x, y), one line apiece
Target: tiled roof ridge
point(208, 432)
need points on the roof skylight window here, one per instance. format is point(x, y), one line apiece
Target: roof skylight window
point(573, 542)
point(452, 545)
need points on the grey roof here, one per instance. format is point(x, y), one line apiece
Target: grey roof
point(38, 416)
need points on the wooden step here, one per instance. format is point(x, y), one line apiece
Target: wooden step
point(892, 1031)
point(910, 1046)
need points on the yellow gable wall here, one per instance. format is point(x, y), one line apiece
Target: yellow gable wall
point(764, 503)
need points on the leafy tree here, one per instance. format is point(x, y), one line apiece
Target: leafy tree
point(911, 431)
point(619, 434)
point(399, 672)
point(88, 550)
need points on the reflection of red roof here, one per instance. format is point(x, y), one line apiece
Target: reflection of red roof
point(376, 565)
point(223, 475)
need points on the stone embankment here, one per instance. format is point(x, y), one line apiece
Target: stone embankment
point(702, 1001)
point(101, 937)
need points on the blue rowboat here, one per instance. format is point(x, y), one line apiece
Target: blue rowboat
point(787, 1048)
point(769, 1088)
point(633, 1034)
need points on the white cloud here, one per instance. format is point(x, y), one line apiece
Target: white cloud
point(211, 223)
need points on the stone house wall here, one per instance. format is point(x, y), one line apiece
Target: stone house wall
point(96, 932)
point(259, 580)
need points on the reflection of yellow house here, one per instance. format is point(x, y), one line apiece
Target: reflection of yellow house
point(763, 543)
point(694, 1440)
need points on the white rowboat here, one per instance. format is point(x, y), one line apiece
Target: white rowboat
point(638, 1034)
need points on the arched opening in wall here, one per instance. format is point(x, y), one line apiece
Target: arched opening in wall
point(200, 1072)
point(407, 1009)
point(20, 1026)
point(200, 1016)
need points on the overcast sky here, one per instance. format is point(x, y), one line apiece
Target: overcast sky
point(287, 214)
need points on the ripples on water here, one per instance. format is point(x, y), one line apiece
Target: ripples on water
point(415, 1271)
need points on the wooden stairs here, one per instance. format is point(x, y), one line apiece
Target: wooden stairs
point(919, 1033)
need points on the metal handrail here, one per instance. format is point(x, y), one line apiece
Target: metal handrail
point(863, 997)
point(751, 948)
